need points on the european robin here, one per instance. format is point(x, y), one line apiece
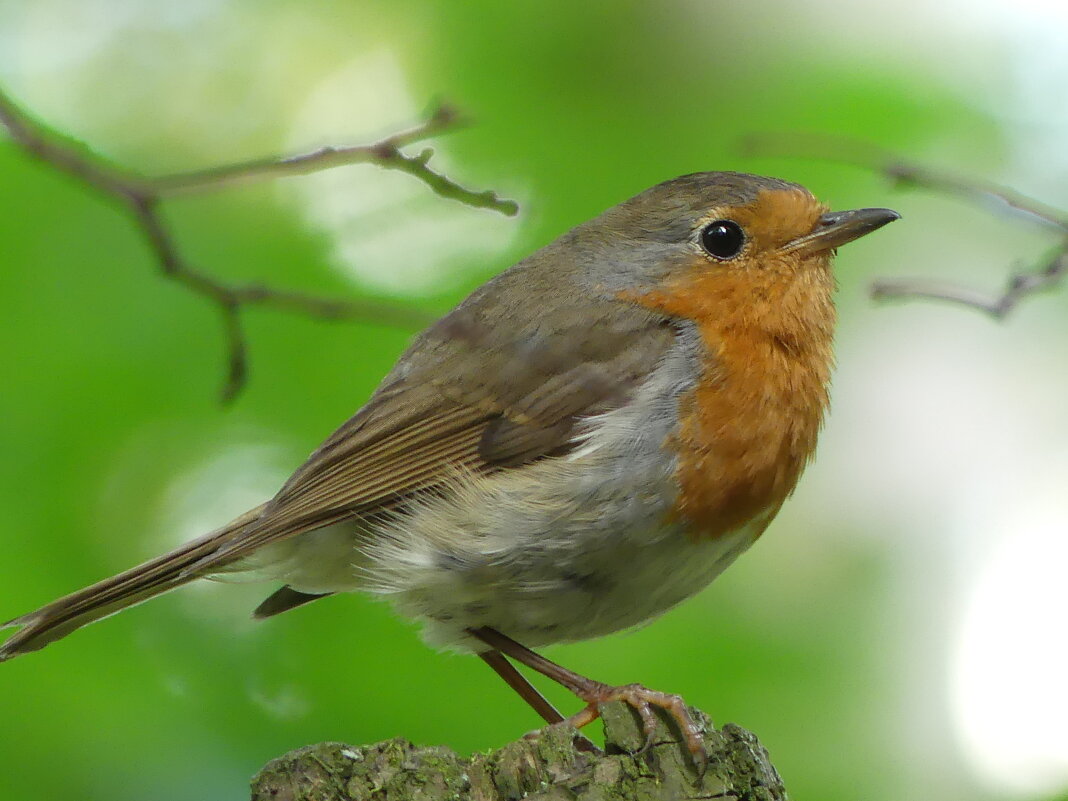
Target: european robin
point(588, 439)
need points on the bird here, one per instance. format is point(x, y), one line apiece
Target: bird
point(587, 440)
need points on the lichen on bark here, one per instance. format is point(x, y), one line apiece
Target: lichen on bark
point(544, 767)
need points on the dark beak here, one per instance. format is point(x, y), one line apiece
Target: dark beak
point(840, 227)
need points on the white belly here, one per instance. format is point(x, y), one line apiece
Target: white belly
point(557, 592)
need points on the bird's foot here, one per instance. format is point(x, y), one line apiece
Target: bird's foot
point(642, 700)
point(594, 693)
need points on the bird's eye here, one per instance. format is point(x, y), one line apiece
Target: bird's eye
point(723, 239)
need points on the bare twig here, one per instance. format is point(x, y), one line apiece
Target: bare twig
point(1049, 274)
point(141, 196)
point(1019, 286)
point(385, 153)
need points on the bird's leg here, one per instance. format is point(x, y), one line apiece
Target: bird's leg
point(642, 699)
point(518, 682)
point(529, 693)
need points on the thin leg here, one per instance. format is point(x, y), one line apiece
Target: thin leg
point(594, 693)
point(529, 693)
point(518, 682)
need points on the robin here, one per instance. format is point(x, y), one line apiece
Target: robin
point(588, 439)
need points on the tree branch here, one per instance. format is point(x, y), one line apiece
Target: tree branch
point(1020, 285)
point(141, 196)
point(385, 153)
point(1047, 275)
point(544, 767)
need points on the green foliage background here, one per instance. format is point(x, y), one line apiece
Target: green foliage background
point(110, 378)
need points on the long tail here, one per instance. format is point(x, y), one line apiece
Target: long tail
point(155, 577)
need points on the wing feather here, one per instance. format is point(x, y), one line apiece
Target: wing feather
point(499, 395)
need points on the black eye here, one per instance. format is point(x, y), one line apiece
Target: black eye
point(723, 239)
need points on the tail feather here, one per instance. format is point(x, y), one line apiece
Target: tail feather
point(155, 577)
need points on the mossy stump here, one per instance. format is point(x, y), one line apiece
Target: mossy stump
point(543, 767)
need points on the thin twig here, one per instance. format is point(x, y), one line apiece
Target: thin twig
point(63, 154)
point(1049, 274)
point(141, 196)
point(385, 153)
point(1019, 286)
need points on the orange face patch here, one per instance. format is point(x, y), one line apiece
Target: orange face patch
point(775, 217)
point(765, 320)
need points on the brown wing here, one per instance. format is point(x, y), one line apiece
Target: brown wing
point(474, 392)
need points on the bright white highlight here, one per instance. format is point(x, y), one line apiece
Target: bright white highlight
point(1010, 661)
point(389, 231)
point(54, 34)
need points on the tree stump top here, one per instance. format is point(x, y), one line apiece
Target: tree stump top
point(543, 767)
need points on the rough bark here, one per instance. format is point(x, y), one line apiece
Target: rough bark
point(543, 767)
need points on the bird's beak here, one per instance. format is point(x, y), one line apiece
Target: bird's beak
point(839, 227)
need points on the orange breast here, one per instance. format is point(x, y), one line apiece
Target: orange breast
point(750, 424)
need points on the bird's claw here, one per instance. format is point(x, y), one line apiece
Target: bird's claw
point(642, 700)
